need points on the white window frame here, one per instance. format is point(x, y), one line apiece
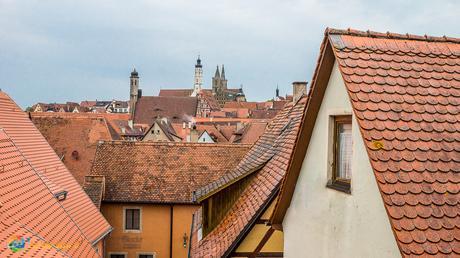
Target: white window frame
point(124, 219)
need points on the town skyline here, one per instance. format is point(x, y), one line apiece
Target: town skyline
point(55, 55)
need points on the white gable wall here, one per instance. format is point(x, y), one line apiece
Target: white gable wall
point(322, 222)
point(205, 137)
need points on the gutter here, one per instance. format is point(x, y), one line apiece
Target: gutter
point(102, 236)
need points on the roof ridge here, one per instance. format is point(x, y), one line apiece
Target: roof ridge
point(389, 35)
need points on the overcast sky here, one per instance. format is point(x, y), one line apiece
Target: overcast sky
point(55, 51)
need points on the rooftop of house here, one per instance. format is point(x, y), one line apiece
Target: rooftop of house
point(267, 161)
point(32, 176)
point(405, 95)
point(149, 108)
point(74, 139)
point(161, 172)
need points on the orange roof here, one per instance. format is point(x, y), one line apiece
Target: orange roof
point(162, 172)
point(74, 139)
point(235, 104)
point(405, 94)
point(44, 160)
point(30, 211)
point(175, 92)
point(227, 120)
point(149, 108)
point(250, 133)
point(210, 128)
point(268, 161)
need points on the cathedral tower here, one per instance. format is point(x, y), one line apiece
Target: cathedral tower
point(198, 83)
point(216, 81)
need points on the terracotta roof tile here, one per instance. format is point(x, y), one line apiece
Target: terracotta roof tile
point(267, 161)
point(178, 109)
point(405, 93)
point(210, 128)
point(28, 209)
point(74, 139)
point(94, 187)
point(44, 160)
point(175, 92)
point(162, 172)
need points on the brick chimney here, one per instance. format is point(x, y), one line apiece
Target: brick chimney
point(298, 90)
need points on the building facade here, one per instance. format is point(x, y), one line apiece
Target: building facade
point(375, 173)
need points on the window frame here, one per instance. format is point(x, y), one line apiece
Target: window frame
point(138, 255)
point(335, 182)
point(125, 255)
point(124, 219)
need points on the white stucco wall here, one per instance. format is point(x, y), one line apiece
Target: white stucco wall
point(323, 222)
point(205, 137)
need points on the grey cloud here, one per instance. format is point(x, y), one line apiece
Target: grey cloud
point(53, 50)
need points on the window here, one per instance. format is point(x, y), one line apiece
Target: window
point(132, 219)
point(117, 256)
point(342, 152)
point(146, 256)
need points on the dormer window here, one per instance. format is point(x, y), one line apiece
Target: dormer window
point(342, 149)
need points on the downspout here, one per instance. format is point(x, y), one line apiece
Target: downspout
point(191, 233)
point(171, 213)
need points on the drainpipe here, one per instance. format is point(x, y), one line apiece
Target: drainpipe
point(171, 213)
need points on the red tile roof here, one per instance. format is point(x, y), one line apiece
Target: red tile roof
point(74, 139)
point(162, 172)
point(35, 246)
point(175, 92)
point(210, 128)
point(268, 161)
point(405, 93)
point(44, 160)
point(94, 187)
point(210, 99)
point(28, 208)
point(250, 133)
point(235, 104)
point(178, 109)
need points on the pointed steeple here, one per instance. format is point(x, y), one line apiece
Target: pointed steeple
point(277, 91)
point(223, 72)
point(217, 75)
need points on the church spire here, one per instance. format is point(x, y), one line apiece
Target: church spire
point(223, 72)
point(217, 75)
point(277, 91)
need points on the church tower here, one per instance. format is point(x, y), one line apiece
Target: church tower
point(133, 91)
point(222, 79)
point(198, 83)
point(216, 81)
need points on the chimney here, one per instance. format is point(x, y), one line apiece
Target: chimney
point(239, 126)
point(139, 93)
point(194, 134)
point(298, 90)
